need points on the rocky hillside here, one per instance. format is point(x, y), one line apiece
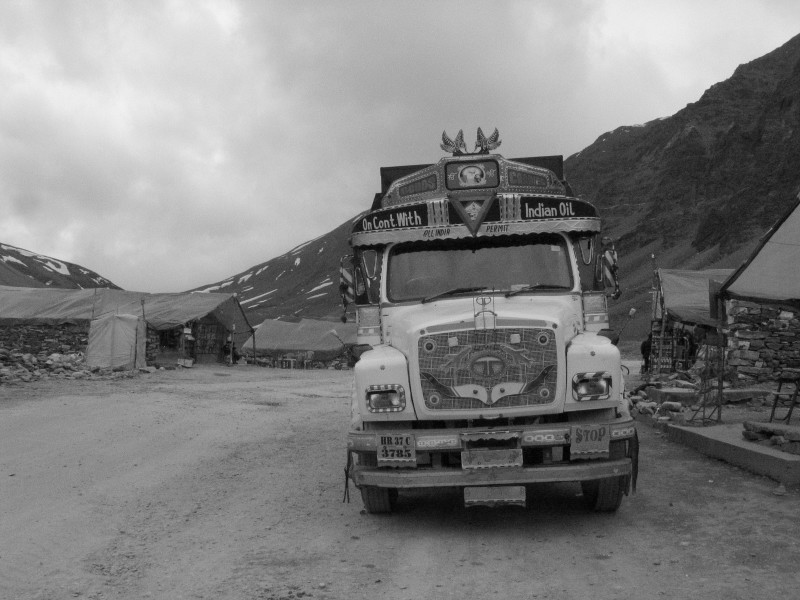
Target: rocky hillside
point(22, 268)
point(692, 191)
point(699, 188)
point(304, 282)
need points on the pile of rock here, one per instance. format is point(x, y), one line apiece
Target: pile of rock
point(24, 367)
point(678, 397)
point(668, 399)
point(781, 437)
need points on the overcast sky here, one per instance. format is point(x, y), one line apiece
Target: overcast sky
point(170, 144)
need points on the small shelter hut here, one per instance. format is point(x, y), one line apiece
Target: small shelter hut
point(759, 305)
point(296, 344)
point(682, 319)
point(180, 327)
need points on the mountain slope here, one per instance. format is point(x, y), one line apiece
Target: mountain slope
point(304, 282)
point(699, 188)
point(22, 268)
point(693, 191)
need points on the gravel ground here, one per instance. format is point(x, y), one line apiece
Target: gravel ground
point(222, 483)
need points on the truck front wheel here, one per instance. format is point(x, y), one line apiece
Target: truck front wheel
point(603, 495)
point(378, 500)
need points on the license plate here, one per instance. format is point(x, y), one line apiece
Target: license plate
point(399, 449)
point(589, 441)
point(505, 495)
point(489, 459)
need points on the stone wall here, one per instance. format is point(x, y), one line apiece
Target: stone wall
point(763, 341)
point(32, 352)
point(40, 351)
point(64, 338)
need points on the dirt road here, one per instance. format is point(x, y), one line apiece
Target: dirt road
point(226, 483)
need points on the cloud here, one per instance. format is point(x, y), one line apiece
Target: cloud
point(170, 144)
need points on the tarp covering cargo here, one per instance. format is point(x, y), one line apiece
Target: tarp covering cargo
point(160, 311)
point(117, 342)
point(685, 294)
point(326, 339)
point(771, 272)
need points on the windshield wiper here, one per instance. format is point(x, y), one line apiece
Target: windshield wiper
point(535, 286)
point(458, 290)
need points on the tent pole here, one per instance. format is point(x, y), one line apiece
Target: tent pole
point(247, 322)
point(721, 349)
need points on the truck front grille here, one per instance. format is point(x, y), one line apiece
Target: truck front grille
point(481, 369)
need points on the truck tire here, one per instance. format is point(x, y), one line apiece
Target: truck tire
point(605, 495)
point(378, 500)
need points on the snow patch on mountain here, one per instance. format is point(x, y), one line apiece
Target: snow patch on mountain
point(12, 259)
point(254, 298)
point(325, 283)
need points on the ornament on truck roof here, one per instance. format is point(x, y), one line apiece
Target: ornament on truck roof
point(483, 145)
point(457, 146)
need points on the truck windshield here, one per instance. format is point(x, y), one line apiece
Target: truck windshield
point(533, 263)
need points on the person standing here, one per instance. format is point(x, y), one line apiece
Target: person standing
point(645, 349)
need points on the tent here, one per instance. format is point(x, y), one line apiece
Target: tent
point(117, 342)
point(682, 315)
point(684, 295)
point(161, 311)
point(216, 315)
point(772, 272)
point(327, 339)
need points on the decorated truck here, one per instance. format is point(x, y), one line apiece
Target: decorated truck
point(485, 361)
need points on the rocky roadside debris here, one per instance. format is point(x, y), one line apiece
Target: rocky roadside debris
point(785, 438)
point(677, 397)
point(22, 367)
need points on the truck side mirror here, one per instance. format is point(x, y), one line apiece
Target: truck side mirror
point(346, 287)
point(607, 265)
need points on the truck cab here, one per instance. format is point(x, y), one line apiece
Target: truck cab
point(484, 360)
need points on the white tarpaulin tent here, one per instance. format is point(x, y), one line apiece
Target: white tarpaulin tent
point(324, 338)
point(160, 312)
point(117, 342)
point(684, 295)
point(772, 273)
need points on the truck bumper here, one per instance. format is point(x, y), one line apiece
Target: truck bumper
point(620, 458)
point(427, 478)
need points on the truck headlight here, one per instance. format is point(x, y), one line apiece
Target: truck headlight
point(386, 398)
point(591, 386)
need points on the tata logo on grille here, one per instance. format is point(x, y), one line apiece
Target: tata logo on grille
point(488, 365)
point(483, 300)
